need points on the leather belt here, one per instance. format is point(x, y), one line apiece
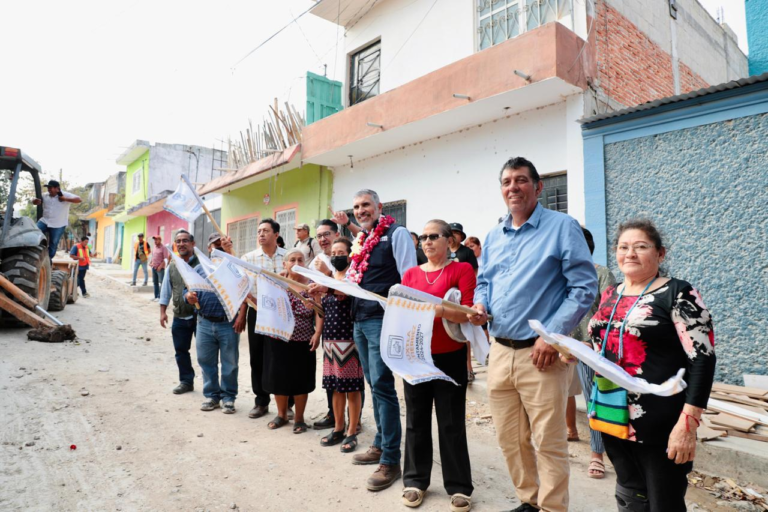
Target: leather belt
point(214, 319)
point(517, 344)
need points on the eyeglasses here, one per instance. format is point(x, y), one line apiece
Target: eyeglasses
point(638, 248)
point(183, 241)
point(431, 238)
point(322, 236)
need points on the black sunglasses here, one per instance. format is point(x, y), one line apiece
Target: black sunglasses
point(432, 237)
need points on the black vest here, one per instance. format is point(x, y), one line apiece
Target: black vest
point(381, 275)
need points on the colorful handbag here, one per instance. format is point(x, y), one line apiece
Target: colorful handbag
point(608, 408)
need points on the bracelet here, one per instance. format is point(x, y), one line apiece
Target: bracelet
point(349, 221)
point(687, 427)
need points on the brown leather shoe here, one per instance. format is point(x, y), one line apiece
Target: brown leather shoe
point(372, 456)
point(258, 411)
point(383, 477)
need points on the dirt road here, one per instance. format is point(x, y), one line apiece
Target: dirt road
point(139, 447)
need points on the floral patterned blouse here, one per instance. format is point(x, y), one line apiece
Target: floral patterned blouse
point(670, 328)
point(305, 318)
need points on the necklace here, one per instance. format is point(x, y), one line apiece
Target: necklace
point(623, 323)
point(364, 244)
point(426, 275)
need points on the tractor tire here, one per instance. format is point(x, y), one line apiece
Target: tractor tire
point(59, 290)
point(74, 291)
point(29, 268)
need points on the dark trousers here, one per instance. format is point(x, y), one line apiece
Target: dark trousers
point(157, 281)
point(81, 278)
point(256, 350)
point(182, 332)
point(646, 480)
point(450, 408)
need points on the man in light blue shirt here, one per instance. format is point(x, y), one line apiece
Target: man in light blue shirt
point(535, 265)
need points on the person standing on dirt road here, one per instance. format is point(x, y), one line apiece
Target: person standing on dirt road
point(184, 320)
point(81, 253)
point(141, 254)
point(160, 255)
point(216, 337)
point(55, 213)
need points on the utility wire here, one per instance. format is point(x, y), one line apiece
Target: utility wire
point(276, 33)
point(410, 36)
point(305, 37)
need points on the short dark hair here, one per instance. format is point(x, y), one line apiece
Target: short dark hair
point(474, 240)
point(646, 226)
point(272, 223)
point(519, 162)
point(83, 238)
point(344, 241)
point(280, 242)
point(184, 231)
point(328, 222)
point(590, 239)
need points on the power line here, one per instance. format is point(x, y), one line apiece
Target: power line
point(276, 33)
point(410, 36)
point(305, 38)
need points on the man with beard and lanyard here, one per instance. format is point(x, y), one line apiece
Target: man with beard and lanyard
point(327, 233)
point(389, 252)
point(184, 321)
point(269, 257)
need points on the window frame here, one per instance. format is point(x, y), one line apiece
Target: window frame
point(523, 8)
point(351, 75)
point(247, 241)
point(553, 176)
point(289, 235)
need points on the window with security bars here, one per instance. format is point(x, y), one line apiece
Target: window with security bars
point(243, 235)
point(555, 193)
point(364, 73)
point(396, 209)
point(136, 185)
point(499, 20)
point(203, 228)
point(287, 221)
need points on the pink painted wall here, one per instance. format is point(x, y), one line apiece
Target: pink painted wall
point(168, 220)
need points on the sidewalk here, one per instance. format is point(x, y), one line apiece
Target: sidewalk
point(117, 275)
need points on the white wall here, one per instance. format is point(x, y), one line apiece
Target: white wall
point(446, 35)
point(455, 177)
point(167, 162)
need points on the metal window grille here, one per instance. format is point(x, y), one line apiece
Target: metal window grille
point(397, 209)
point(136, 186)
point(499, 20)
point(244, 235)
point(287, 221)
point(365, 73)
point(204, 228)
point(555, 193)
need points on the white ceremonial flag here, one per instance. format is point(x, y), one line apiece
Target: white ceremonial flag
point(252, 270)
point(192, 279)
point(231, 285)
point(275, 316)
point(406, 335)
point(345, 287)
point(207, 264)
point(474, 334)
point(184, 202)
point(606, 368)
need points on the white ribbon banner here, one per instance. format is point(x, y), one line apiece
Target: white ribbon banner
point(606, 368)
point(345, 287)
point(406, 336)
point(231, 285)
point(275, 317)
point(184, 202)
point(192, 279)
point(474, 334)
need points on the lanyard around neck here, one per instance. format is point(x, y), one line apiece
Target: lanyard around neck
point(623, 323)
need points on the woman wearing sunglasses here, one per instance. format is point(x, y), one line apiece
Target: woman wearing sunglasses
point(438, 275)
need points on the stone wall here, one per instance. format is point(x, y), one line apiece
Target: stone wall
point(707, 190)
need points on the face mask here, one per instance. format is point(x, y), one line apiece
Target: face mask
point(339, 262)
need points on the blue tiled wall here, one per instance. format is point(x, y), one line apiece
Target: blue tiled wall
point(706, 188)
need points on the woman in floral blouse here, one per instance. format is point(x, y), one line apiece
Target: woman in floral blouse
point(651, 326)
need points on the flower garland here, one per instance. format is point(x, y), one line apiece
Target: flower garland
point(364, 244)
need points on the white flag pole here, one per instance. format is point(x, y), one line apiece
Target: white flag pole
point(205, 208)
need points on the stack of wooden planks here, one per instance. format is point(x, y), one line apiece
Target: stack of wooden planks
point(736, 411)
point(280, 130)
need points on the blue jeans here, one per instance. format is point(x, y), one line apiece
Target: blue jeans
point(54, 235)
point(157, 281)
point(386, 408)
point(81, 278)
point(212, 339)
point(182, 332)
point(136, 263)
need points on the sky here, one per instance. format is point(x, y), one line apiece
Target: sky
point(88, 78)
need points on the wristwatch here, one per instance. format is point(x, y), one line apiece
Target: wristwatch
point(349, 221)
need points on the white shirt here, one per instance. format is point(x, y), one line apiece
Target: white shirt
point(310, 251)
point(273, 264)
point(55, 212)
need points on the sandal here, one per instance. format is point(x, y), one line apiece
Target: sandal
point(351, 441)
point(300, 427)
point(333, 439)
point(596, 469)
point(470, 376)
point(277, 423)
point(460, 503)
point(415, 493)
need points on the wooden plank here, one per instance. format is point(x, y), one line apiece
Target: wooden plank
point(740, 399)
point(740, 390)
point(730, 421)
point(737, 410)
point(756, 381)
point(704, 433)
point(17, 292)
point(22, 314)
point(747, 435)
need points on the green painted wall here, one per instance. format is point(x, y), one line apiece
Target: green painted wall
point(133, 197)
point(309, 188)
point(132, 227)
